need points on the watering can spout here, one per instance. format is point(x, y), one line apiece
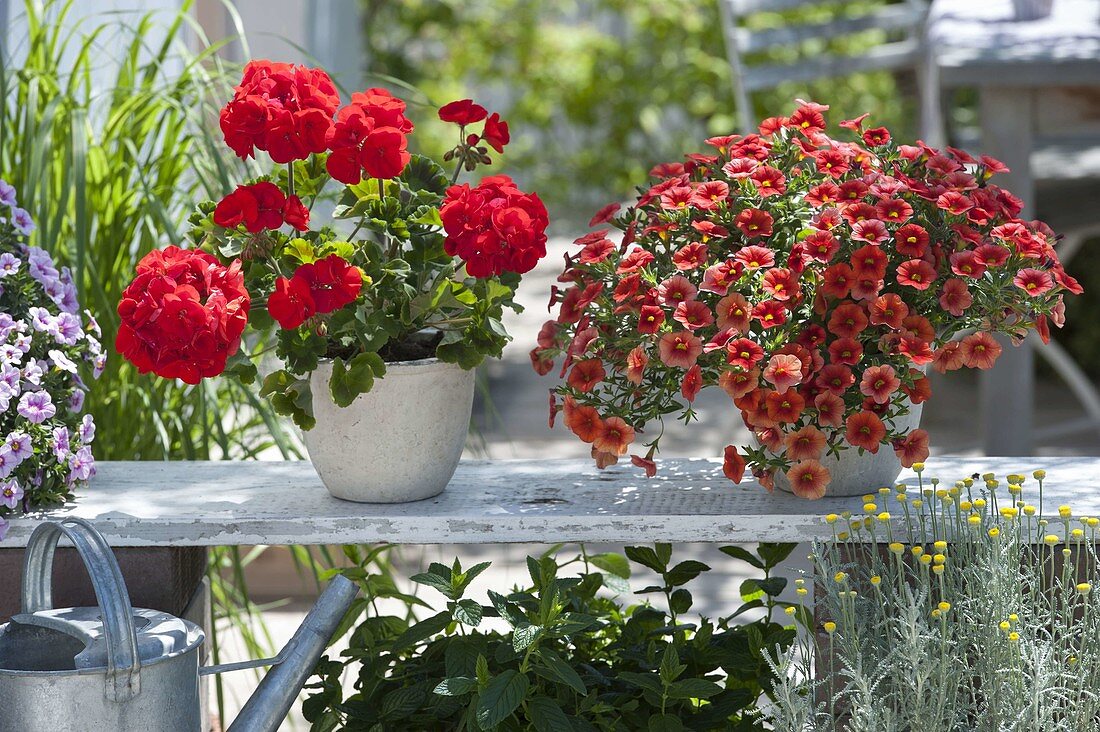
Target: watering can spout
point(273, 698)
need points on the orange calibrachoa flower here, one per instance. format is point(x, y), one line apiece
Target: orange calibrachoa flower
point(808, 479)
point(814, 280)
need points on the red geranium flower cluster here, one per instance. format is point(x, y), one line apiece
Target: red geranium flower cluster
point(813, 280)
point(318, 287)
point(494, 227)
point(283, 109)
point(261, 206)
point(183, 314)
point(338, 294)
point(370, 137)
point(466, 112)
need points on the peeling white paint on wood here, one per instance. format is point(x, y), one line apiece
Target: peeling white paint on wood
point(489, 501)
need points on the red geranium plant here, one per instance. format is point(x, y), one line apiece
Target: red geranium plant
point(423, 267)
point(813, 280)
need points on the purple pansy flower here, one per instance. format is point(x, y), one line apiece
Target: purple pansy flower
point(87, 429)
point(34, 370)
point(22, 221)
point(61, 361)
point(37, 406)
point(8, 463)
point(9, 264)
point(10, 377)
point(69, 330)
point(61, 447)
point(11, 493)
point(7, 193)
point(82, 464)
point(20, 445)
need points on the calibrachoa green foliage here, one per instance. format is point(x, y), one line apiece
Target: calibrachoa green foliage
point(955, 608)
point(423, 267)
point(812, 279)
point(559, 655)
point(45, 349)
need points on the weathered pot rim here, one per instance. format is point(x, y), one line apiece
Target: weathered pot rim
point(405, 368)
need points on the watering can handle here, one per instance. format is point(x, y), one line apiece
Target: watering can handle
point(123, 663)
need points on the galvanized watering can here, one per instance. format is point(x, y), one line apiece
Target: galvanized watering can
point(114, 668)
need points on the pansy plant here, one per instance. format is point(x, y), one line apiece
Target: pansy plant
point(47, 350)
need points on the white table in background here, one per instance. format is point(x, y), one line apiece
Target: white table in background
point(975, 43)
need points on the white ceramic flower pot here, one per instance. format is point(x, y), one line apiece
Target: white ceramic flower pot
point(400, 441)
point(852, 474)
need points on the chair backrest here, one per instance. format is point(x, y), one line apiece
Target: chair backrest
point(905, 18)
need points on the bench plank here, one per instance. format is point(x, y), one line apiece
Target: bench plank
point(488, 502)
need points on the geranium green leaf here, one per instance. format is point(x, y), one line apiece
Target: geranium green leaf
point(353, 378)
point(301, 250)
point(424, 174)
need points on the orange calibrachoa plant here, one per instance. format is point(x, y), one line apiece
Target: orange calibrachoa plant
point(811, 279)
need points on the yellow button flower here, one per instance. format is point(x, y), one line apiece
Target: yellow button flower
point(1014, 636)
point(1051, 540)
point(994, 532)
point(1040, 474)
point(1065, 511)
point(830, 627)
point(1084, 588)
point(944, 607)
point(896, 547)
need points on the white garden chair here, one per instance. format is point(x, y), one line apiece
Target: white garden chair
point(903, 20)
